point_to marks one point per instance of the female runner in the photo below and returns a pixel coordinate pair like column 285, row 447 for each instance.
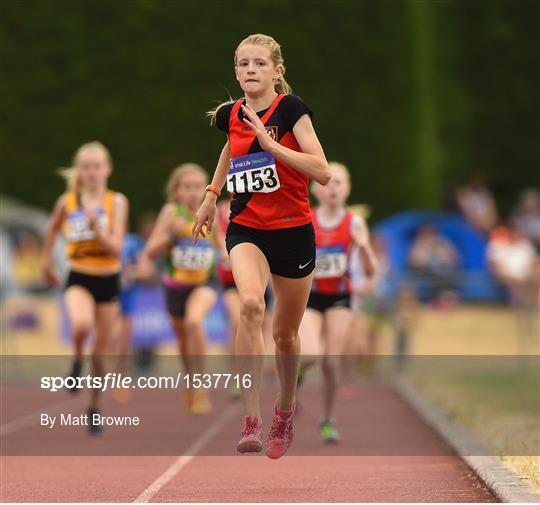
column 339, row 233
column 272, row 152
column 188, row 295
column 93, row 220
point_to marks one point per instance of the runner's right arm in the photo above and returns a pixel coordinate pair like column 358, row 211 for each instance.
column 162, row 235
column 55, row 223
column 207, row 212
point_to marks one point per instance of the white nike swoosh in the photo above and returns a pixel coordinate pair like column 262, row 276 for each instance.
column 304, row 266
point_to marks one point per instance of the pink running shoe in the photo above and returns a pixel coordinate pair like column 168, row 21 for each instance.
column 281, row 433
column 251, row 436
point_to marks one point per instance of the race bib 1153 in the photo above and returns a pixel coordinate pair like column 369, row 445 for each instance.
column 253, row 173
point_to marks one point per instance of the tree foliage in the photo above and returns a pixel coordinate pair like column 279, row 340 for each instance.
column 140, row 74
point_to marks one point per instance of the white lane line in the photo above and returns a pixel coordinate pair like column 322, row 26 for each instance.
column 33, row 419
column 177, row 466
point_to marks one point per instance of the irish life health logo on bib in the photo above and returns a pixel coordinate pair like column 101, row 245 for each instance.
column 253, row 173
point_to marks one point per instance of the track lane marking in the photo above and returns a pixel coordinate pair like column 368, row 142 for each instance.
column 176, row 467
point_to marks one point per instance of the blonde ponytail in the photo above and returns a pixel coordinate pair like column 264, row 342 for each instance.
column 282, row 86
column 212, row 114
column 72, row 178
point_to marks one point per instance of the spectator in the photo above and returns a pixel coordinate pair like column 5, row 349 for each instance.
column 434, row 260
column 7, row 280
column 512, row 259
column 527, row 216
column 27, row 264
column 477, row 205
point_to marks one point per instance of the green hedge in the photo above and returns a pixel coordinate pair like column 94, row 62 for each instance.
column 413, row 96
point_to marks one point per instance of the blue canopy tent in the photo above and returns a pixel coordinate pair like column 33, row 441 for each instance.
column 475, row 280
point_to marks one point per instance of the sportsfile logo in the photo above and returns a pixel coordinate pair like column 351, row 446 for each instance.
column 113, row 380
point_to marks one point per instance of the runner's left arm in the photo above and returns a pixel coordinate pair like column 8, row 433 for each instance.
column 360, row 236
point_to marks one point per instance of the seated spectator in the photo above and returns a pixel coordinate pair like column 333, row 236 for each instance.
column 477, row 205
column 434, row 260
column 511, row 257
column 527, row 216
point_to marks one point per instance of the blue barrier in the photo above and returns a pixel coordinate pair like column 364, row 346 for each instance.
column 475, row 281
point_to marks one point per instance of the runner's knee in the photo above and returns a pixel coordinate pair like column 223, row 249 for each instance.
column 252, row 308
column 285, row 340
column 330, row 363
column 81, row 328
column 193, row 326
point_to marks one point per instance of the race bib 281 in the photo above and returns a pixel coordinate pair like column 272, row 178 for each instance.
column 331, row 262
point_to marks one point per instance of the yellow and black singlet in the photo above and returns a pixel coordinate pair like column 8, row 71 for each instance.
column 84, row 251
column 189, row 264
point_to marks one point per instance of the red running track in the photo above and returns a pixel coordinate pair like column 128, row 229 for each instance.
column 388, row 454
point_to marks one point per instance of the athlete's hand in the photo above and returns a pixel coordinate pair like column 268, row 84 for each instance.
column 92, row 219
column 204, row 217
column 146, row 269
column 255, row 123
column 365, row 289
column 130, row 273
column 50, row 275
column 360, row 233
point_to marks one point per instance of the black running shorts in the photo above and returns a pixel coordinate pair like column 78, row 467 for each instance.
column 322, row 302
column 103, row 288
column 290, row 252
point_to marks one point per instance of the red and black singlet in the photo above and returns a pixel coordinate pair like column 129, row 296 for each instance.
column 334, row 246
column 268, row 193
